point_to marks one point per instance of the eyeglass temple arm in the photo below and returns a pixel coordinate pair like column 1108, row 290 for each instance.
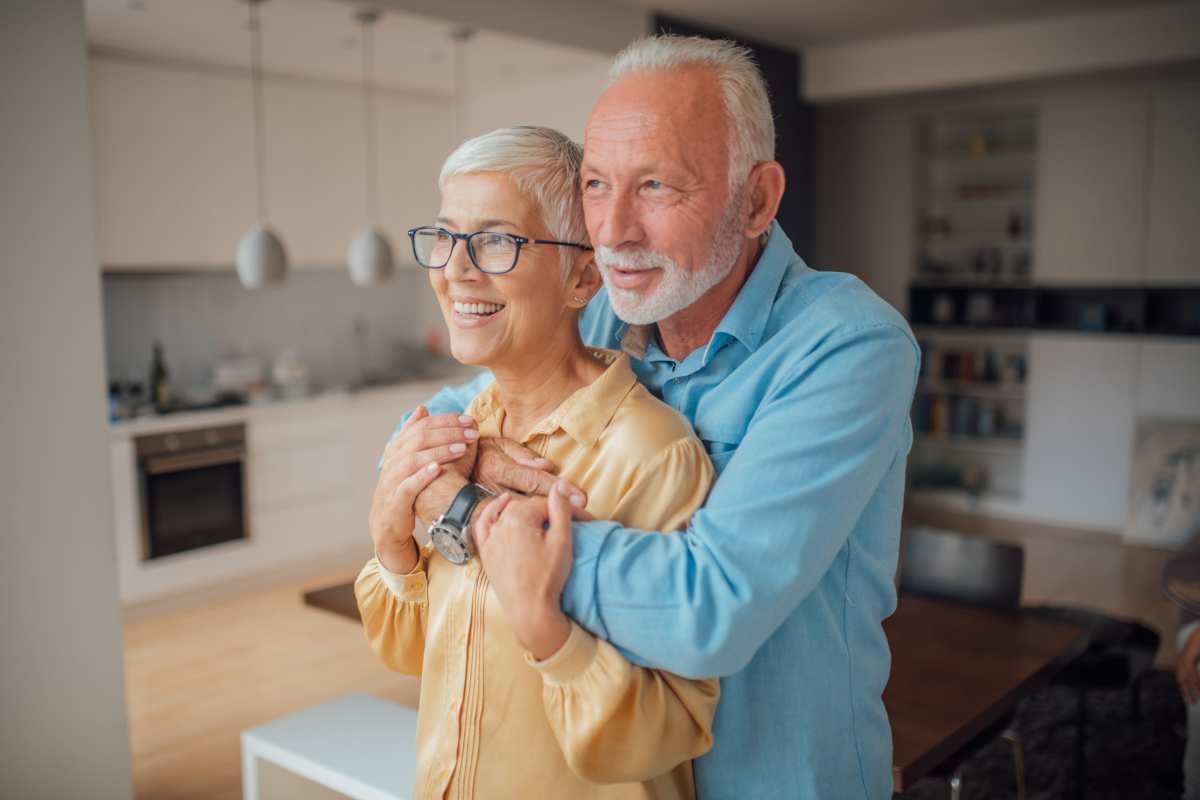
column 564, row 244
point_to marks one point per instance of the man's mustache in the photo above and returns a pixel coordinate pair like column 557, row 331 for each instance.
column 631, row 260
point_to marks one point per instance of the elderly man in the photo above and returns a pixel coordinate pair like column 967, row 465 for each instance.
column 798, row 383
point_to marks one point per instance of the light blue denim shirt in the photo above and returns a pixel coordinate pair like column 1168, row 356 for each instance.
column 781, row 582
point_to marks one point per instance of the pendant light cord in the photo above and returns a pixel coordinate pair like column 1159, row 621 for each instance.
column 260, row 141
column 460, row 36
column 369, row 144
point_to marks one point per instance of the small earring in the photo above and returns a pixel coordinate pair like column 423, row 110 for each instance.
column 576, row 300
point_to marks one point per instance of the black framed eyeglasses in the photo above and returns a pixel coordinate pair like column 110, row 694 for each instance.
column 491, row 252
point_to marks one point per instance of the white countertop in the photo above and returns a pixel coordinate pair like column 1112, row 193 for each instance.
column 331, row 401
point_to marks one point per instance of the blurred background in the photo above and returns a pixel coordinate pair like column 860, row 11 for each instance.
column 212, row 321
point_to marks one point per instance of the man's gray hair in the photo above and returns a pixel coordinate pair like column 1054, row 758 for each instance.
column 543, row 163
column 751, row 126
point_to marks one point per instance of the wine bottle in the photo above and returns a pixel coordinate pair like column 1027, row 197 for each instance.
column 160, row 387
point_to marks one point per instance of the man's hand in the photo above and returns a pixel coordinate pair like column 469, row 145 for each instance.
column 506, row 466
column 525, row 547
column 1185, row 669
column 412, row 460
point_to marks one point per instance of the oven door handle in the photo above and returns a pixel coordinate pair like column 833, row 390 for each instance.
column 197, row 459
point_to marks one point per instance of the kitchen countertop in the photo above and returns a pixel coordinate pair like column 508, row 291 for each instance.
column 330, row 401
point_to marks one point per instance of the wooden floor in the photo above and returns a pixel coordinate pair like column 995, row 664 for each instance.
column 196, row 677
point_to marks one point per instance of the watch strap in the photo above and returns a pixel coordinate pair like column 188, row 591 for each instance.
column 463, row 504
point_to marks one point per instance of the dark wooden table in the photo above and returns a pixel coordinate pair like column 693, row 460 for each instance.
column 956, row 670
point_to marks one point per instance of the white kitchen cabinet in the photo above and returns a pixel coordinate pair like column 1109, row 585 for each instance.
column 315, row 171
column 175, row 171
column 1080, row 412
column 296, row 461
column 1168, row 384
column 174, row 165
column 373, row 417
column 1173, row 235
column 1091, row 188
column 415, row 137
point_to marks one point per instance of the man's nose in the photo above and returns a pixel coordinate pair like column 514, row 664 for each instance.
column 620, row 222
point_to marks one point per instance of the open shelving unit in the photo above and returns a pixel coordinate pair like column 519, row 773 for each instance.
column 975, row 194
column 975, row 204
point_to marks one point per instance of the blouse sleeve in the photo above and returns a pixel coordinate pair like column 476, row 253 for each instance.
column 614, row 721
column 393, row 609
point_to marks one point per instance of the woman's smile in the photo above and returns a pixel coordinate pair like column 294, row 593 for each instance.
column 469, row 313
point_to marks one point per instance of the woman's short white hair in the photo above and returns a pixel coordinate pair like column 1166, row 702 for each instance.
column 543, row 163
column 751, row 125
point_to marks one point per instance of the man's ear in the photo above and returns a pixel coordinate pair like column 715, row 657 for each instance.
column 584, row 280
column 764, row 191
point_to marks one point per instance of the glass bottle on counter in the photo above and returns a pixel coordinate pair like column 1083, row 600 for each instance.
column 159, row 384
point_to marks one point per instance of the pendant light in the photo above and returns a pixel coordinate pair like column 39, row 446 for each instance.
column 261, row 258
column 370, row 258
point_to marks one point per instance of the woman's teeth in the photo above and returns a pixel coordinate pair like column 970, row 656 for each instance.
column 478, row 309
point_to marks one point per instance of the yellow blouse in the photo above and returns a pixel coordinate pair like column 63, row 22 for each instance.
column 584, row 723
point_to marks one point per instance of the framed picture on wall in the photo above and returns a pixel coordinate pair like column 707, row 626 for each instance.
column 1164, row 499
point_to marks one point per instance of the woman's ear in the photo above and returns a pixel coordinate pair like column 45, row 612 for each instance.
column 584, row 280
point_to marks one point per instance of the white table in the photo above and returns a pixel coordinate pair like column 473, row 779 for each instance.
column 358, row 745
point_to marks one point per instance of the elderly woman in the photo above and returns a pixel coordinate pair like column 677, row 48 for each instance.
column 499, row 716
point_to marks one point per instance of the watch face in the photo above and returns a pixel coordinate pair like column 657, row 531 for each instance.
column 449, row 542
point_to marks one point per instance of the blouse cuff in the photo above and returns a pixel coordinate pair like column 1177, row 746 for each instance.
column 572, row 659
column 407, row 587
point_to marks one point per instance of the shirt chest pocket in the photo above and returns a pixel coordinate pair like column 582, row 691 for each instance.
column 720, row 443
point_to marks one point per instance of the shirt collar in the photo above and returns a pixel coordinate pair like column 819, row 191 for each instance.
column 585, row 414
column 746, row 319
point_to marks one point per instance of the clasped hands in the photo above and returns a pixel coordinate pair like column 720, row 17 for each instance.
column 522, row 536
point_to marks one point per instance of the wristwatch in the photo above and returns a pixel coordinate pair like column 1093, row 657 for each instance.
column 449, row 532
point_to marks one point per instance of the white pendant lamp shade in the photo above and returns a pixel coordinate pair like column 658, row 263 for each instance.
column 261, row 258
column 370, row 258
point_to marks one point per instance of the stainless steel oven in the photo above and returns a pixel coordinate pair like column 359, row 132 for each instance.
column 193, row 489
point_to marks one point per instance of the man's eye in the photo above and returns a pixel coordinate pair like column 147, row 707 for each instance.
column 654, row 185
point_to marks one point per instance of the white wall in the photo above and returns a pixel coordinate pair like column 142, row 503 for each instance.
column 562, row 102
column 1028, row 49
column 598, row 25
column 64, row 731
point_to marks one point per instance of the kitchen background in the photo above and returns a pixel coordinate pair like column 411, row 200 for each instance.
column 1021, row 179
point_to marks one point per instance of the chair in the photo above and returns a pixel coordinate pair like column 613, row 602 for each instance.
column 972, row 570
column 1119, row 655
column 359, row 745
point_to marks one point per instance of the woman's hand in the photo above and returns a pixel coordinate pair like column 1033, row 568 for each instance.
column 1185, row 669
column 410, row 463
column 528, row 562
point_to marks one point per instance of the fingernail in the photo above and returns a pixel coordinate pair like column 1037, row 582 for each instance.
column 458, row 447
column 577, row 500
column 466, row 419
column 432, row 467
column 471, row 433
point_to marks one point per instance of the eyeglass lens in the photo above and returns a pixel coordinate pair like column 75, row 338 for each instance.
column 491, row 252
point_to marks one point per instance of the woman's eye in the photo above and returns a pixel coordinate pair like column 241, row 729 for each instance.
column 654, row 185
column 592, row 184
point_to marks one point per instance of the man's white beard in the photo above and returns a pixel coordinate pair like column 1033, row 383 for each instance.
column 677, row 288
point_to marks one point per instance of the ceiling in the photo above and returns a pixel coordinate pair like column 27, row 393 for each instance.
column 800, row 23
column 321, row 39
